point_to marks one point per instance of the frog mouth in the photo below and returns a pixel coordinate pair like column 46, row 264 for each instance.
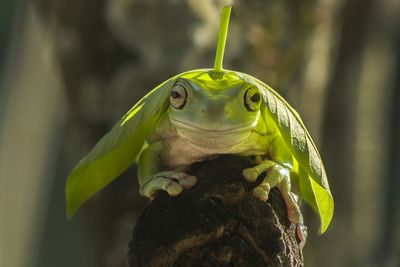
column 193, row 128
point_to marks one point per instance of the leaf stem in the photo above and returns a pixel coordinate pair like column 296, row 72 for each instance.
column 223, row 31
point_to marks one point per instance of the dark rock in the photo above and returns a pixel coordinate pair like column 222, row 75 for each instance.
column 216, row 223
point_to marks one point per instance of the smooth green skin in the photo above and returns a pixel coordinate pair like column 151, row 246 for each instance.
column 284, row 139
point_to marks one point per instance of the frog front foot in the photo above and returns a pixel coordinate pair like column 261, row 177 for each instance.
column 172, row 182
column 277, row 176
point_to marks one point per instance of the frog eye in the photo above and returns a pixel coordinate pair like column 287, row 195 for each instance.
column 252, row 99
column 178, row 96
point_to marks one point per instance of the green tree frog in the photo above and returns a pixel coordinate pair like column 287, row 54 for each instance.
column 200, row 114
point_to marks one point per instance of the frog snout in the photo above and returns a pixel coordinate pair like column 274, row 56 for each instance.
column 213, row 112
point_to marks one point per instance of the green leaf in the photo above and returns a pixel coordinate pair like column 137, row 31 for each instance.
column 293, row 131
column 117, row 150
column 319, row 199
column 313, row 181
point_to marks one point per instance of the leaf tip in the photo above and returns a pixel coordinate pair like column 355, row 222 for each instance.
column 70, row 213
column 327, row 215
column 69, row 197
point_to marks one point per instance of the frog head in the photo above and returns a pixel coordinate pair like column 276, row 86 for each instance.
column 213, row 109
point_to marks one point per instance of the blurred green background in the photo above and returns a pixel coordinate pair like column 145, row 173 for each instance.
column 70, row 69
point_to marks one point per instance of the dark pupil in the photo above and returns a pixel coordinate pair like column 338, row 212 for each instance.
column 255, row 98
column 175, row 94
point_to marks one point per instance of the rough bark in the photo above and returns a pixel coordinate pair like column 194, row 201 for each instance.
column 216, row 223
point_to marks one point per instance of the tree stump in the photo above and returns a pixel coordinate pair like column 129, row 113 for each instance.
column 216, row 223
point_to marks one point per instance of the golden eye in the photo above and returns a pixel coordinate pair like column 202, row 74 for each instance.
column 178, row 96
column 252, row 99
